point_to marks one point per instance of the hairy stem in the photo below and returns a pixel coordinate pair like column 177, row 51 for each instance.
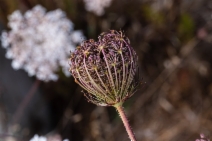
column 123, row 116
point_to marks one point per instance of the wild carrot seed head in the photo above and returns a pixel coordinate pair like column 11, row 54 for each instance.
column 106, row 69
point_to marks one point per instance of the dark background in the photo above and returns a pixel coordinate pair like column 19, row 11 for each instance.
column 173, row 39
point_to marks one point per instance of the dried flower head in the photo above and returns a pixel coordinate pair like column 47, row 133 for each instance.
column 107, row 69
column 39, row 42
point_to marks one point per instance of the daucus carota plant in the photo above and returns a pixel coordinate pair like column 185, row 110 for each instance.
column 39, row 41
column 107, row 69
column 43, row 138
column 97, row 6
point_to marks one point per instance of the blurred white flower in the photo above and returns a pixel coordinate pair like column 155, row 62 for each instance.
column 40, row 42
column 97, row 6
column 42, row 138
column 37, row 138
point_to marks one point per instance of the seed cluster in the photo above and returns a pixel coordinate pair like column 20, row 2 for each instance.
column 107, row 69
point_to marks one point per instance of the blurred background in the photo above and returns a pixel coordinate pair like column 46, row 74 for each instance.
column 173, row 39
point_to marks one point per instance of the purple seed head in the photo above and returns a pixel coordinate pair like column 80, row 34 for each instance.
column 107, row 69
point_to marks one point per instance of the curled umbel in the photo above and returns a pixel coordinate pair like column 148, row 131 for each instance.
column 107, row 69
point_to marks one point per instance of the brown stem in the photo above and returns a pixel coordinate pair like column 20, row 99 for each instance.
column 123, row 116
column 24, row 103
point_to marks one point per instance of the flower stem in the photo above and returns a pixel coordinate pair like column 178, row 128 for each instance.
column 123, row 116
column 25, row 101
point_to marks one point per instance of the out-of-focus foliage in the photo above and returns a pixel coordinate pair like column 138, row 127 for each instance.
column 186, row 27
column 155, row 17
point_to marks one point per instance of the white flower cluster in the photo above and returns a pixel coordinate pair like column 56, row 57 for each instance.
column 37, row 138
column 42, row 138
column 97, row 6
column 40, row 42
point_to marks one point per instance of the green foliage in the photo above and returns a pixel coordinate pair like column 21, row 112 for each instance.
column 185, row 27
column 6, row 8
column 154, row 17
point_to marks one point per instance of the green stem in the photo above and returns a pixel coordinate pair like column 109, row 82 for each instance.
column 123, row 116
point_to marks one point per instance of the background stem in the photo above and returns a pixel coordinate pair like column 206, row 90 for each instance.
column 123, row 116
column 25, row 102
